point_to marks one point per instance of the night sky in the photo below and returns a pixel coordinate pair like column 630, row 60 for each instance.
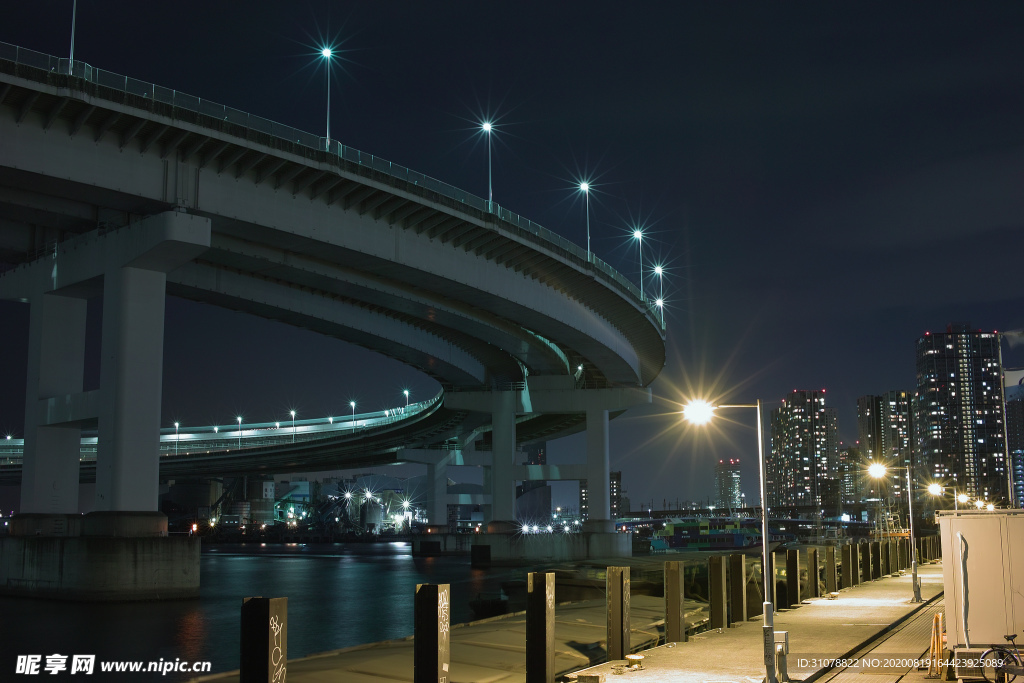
column 824, row 182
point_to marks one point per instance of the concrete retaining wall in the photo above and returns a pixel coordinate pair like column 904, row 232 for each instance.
column 100, row 569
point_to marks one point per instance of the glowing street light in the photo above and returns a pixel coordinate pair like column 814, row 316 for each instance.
column 700, row 412
column 239, row 418
column 406, row 392
column 962, row 497
column 659, row 271
column 293, row 426
column 353, row 404
column 638, row 235
column 585, row 189
column 176, row 425
column 877, row 470
column 487, row 128
column 979, row 504
column 326, row 53
column 990, row 507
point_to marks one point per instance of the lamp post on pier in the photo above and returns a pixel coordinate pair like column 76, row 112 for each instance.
column 701, row 412
column 878, row 471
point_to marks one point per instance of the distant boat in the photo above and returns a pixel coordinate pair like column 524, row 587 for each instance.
column 714, row 534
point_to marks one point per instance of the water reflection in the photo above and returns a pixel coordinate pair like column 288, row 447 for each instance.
column 338, row 595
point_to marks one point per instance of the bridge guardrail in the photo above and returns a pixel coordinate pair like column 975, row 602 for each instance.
column 12, row 450
column 155, row 93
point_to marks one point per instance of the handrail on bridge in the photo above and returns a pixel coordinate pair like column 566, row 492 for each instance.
column 256, row 434
column 156, row 93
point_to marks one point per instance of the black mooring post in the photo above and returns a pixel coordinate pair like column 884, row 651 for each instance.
column 264, row 643
column 848, row 565
column 540, row 627
column 737, row 589
column 876, row 560
column 813, row 584
column 793, row 577
column 617, row 590
column 865, row 562
column 675, row 620
column 831, row 579
column 432, row 624
column 717, row 587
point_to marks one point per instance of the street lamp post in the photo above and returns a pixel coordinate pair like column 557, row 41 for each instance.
column 239, row 418
column 487, row 127
column 326, row 53
column 659, row 271
column 176, row 425
column 74, row 12
column 406, row 392
column 638, row 235
column 293, row 426
column 353, row 404
column 585, row 188
column 878, row 470
column 701, row 412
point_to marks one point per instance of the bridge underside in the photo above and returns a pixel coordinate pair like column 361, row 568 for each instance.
column 128, row 195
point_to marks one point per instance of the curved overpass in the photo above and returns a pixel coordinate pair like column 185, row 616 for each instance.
column 306, row 231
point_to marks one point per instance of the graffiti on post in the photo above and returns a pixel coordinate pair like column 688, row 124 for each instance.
column 277, row 656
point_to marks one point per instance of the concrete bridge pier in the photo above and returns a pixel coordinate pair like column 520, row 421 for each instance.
column 551, row 395
column 120, row 551
column 503, row 447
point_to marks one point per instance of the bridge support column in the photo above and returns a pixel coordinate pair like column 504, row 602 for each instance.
column 503, row 446
column 120, row 551
column 56, row 364
column 131, row 375
column 437, row 493
column 598, row 473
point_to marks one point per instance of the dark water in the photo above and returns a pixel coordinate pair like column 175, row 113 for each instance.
column 338, row 595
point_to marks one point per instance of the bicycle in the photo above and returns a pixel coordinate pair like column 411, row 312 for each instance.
column 1000, row 664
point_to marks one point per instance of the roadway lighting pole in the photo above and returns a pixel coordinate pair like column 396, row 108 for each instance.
column 701, row 415
column 406, row 392
column 640, row 253
column 74, row 12
column 293, row 426
column 658, row 270
column 239, row 432
column 353, row 404
column 326, row 52
column 175, row 438
column 586, row 191
column 490, row 187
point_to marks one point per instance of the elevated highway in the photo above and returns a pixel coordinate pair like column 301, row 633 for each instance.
column 118, row 188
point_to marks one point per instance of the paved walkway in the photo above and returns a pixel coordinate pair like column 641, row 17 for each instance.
column 819, row 630
column 493, row 651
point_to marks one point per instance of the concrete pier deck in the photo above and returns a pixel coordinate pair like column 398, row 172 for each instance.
column 493, row 651
column 488, row 651
column 819, row 630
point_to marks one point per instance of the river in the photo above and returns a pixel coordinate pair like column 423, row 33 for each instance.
column 339, row 595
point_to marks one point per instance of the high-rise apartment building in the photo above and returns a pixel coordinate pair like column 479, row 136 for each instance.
column 851, row 472
column 959, row 410
column 884, row 427
column 804, row 450
column 614, row 496
column 727, row 484
column 1015, row 430
column 615, row 493
column 869, row 426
